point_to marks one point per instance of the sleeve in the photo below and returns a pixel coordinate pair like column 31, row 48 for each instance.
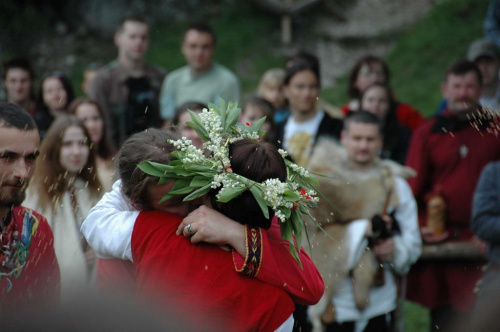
column 109, row 225
column 99, row 92
column 408, row 244
column 486, row 205
column 418, row 159
column 279, row 268
column 167, row 99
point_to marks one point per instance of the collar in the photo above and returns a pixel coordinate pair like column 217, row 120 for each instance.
column 449, row 122
column 123, row 73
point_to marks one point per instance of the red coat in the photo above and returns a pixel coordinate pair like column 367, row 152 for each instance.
column 448, row 154
column 406, row 114
column 39, row 282
column 200, row 280
column 278, row 268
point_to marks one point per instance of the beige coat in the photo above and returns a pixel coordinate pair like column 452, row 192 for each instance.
column 75, row 275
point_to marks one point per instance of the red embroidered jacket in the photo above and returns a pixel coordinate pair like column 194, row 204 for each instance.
column 38, row 283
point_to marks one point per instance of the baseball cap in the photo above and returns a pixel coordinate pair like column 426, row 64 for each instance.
column 482, row 47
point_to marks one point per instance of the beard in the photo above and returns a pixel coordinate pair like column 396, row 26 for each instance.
column 14, row 198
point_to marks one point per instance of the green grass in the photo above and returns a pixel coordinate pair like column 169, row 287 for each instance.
column 422, row 53
column 416, row 318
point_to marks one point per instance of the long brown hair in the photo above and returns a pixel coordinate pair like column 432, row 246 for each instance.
column 50, row 179
column 104, row 148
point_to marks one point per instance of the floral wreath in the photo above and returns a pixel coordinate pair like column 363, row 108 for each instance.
column 196, row 173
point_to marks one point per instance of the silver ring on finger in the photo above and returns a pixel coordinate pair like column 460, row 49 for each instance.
column 189, row 229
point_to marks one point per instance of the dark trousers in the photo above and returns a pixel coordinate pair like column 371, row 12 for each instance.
column 382, row 323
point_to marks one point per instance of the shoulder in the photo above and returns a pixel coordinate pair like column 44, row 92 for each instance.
column 426, row 128
column 40, row 223
column 224, row 72
column 177, row 74
column 156, row 71
column 491, row 169
column 330, row 126
column 107, row 72
column 154, row 221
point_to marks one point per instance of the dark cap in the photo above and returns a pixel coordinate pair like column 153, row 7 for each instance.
column 482, row 47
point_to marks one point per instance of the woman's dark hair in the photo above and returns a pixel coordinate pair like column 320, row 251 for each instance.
column 190, row 105
column 257, row 161
column 368, row 60
column 301, row 66
column 40, row 105
column 104, row 148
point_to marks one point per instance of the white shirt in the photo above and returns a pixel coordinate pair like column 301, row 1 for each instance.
column 109, row 225
column 407, row 249
column 299, row 137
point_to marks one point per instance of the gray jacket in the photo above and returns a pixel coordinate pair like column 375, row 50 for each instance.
column 486, row 210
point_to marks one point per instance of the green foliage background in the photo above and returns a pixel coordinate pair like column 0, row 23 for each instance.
column 422, row 54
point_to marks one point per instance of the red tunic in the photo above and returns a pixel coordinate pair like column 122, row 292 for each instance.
column 406, row 114
column 278, row 268
column 449, row 155
column 200, row 280
column 39, row 281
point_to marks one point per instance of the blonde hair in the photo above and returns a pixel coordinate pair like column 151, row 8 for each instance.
column 273, row 76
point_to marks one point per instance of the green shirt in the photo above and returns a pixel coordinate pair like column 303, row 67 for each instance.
column 180, row 87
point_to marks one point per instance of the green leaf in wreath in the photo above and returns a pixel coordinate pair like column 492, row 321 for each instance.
column 181, row 187
column 200, row 181
column 257, row 194
column 228, row 194
column 150, row 168
column 198, row 193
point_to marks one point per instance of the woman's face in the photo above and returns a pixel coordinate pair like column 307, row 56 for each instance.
column 251, row 114
column 74, row 150
column 369, row 74
column 189, row 132
column 302, row 92
column 375, row 100
column 273, row 93
column 92, row 120
column 54, row 95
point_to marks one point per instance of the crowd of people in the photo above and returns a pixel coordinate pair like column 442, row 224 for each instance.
column 408, row 205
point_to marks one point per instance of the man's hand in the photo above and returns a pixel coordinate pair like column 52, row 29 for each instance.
column 384, row 249
column 429, row 237
column 210, row 226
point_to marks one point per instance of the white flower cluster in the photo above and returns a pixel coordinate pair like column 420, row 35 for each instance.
column 300, row 170
column 193, row 154
column 273, row 190
column 216, row 143
column 283, row 153
column 226, row 182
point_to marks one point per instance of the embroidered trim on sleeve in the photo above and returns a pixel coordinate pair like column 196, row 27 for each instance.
column 253, row 258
